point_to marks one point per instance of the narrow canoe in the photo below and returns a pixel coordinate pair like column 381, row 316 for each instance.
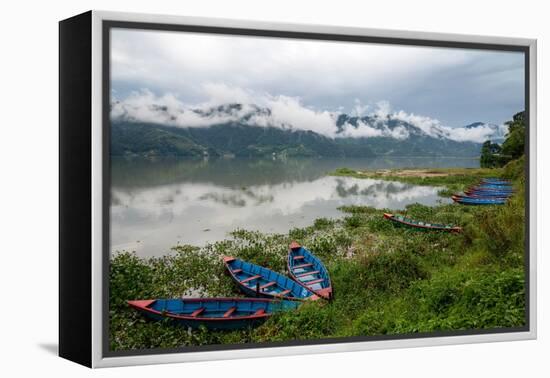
column 488, row 193
column 257, row 281
column 495, row 181
column 494, row 187
column 483, row 195
column 213, row 313
column 479, row 201
column 401, row 220
column 306, row 269
column 490, row 190
column 477, row 195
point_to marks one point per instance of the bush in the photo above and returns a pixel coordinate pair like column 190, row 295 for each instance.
column 322, row 223
column 515, row 170
column 311, row 321
column 354, row 221
column 391, row 271
column 452, row 300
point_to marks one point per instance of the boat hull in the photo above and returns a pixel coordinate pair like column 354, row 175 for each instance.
column 402, row 221
column 308, row 271
column 478, row 201
column 487, row 194
column 256, row 281
column 212, row 313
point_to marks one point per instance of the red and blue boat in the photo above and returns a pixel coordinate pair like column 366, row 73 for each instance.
column 494, row 187
column 489, row 192
column 470, row 193
column 308, row 271
column 495, row 181
column 502, row 186
column 481, row 195
column 409, row 222
column 257, row 281
column 478, row 200
column 213, row 313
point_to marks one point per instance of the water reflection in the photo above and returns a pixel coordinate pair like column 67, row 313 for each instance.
column 196, row 203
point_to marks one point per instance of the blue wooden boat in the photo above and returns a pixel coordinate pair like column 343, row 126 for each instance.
column 401, row 220
column 306, row 269
column 488, row 193
column 494, row 193
column 478, row 201
column 257, row 281
column 483, row 195
column 495, row 181
column 486, row 189
column 494, row 187
column 213, row 313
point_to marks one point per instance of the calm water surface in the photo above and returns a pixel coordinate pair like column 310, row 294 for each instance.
column 158, row 204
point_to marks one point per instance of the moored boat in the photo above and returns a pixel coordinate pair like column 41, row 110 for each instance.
column 213, row 313
column 478, row 201
column 494, row 186
column 495, row 181
column 481, row 195
column 468, row 193
column 308, row 270
column 401, row 220
column 257, row 281
column 489, row 192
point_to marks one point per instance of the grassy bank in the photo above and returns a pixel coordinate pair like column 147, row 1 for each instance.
column 454, row 179
column 386, row 280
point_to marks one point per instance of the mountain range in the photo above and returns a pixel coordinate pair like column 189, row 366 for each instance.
column 229, row 130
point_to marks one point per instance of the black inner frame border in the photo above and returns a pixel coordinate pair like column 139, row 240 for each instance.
column 108, row 25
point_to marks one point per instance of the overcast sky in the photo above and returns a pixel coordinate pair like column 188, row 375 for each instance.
column 454, row 86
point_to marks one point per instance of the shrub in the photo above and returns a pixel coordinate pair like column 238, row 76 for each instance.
column 452, row 300
column 391, row 271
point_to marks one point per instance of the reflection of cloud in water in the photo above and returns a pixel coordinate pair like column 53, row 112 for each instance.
column 237, row 198
column 188, row 209
column 284, row 198
column 230, row 200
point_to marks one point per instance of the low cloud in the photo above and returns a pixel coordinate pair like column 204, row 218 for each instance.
column 226, row 104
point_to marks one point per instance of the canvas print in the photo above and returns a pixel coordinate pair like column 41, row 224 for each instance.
column 277, row 190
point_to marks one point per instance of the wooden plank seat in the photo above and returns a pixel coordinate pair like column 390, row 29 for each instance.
column 305, row 274
column 284, row 292
column 236, row 271
column 302, row 266
column 267, row 285
column 197, row 312
column 230, row 311
column 260, row 311
column 299, row 257
column 309, row 283
column 251, row 278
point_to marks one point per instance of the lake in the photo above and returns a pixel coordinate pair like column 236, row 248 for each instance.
column 157, row 204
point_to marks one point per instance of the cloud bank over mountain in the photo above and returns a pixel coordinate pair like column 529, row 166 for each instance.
column 227, row 104
column 455, row 86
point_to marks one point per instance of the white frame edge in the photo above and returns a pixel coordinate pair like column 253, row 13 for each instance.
column 97, row 271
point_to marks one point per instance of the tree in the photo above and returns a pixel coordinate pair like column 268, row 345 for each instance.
column 493, row 155
column 490, row 155
column 514, row 145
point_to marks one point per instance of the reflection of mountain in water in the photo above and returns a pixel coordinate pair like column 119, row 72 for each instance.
column 375, row 189
column 238, row 173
